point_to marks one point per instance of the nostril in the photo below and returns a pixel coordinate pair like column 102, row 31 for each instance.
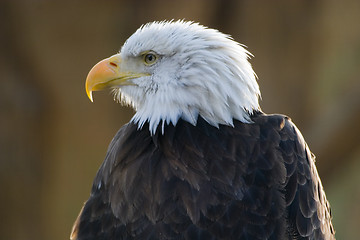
column 113, row 64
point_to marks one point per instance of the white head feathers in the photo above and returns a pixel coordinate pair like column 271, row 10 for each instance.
column 199, row 71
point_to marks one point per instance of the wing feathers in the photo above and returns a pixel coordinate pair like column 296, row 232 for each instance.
column 250, row 181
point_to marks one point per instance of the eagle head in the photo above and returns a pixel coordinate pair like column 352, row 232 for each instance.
column 170, row 70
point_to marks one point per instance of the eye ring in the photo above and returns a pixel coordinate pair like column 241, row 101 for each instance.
column 150, row 58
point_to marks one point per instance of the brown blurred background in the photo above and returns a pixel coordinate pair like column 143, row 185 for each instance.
column 53, row 139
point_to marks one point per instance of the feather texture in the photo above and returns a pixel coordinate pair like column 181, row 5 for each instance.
column 250, row 181
column 200, row 71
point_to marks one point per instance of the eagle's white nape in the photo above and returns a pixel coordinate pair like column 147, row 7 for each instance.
column 200, row 71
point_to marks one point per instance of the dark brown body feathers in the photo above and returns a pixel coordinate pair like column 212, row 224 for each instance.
column 250, row 181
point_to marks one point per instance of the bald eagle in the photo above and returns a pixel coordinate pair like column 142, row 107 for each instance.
column 199, row 159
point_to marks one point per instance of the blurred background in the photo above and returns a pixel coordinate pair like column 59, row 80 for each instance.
column 53, row 139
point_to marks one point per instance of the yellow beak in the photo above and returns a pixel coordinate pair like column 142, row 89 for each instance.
column 106, row 74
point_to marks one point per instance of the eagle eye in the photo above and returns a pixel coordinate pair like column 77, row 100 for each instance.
column 150, row 58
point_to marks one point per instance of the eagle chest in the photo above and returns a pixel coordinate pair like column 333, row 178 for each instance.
column 196, row 175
